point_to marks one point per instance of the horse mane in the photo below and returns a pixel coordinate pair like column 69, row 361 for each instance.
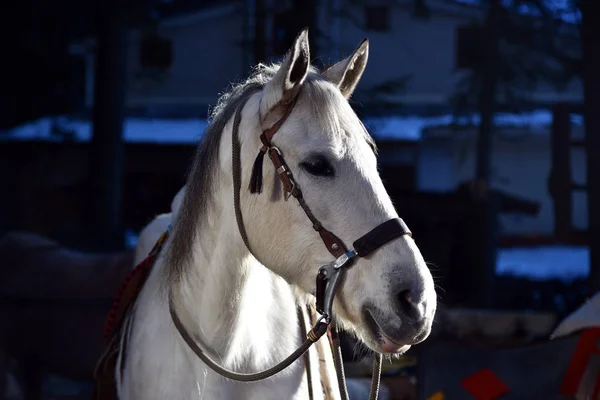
column 200, row 178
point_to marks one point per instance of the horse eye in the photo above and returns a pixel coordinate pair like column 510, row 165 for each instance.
column 318, row 166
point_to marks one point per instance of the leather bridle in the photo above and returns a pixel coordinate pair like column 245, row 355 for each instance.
column 328, row 277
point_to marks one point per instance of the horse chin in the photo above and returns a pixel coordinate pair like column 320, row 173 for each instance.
column 389, row 347
column 376, row 339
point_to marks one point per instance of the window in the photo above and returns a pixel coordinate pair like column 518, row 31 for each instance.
column 468, row 41
column 377, row 18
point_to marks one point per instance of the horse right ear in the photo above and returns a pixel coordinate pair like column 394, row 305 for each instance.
column 287, row 82
column 346, row 74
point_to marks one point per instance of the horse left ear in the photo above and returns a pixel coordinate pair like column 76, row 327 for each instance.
column 346, row 74
column 287, row 82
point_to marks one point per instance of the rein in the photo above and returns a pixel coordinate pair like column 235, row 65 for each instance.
column 328, row 277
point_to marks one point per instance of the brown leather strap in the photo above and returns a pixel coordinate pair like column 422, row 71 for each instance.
column 333, row 244
column 382, row 234
column 285, row 175
column 255, row 185
column 270, row 132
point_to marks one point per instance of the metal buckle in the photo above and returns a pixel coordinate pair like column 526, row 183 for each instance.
column 332, row 273
column 283, row 168
column 323, row 319
column 343, row 259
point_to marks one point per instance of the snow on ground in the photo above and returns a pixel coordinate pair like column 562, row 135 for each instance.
column 139, row 130
column 189, row 130
column 545, row 262
column 405, row 127
column 412, row 127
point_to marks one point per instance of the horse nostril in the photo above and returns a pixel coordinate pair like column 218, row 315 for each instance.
column 409, row 304
column 405, row 302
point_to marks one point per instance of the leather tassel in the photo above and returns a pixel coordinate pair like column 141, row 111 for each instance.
column 257, row 174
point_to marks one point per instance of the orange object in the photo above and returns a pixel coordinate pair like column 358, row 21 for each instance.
column 436, row 396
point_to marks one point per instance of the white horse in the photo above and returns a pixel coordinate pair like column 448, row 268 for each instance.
column 242, row 310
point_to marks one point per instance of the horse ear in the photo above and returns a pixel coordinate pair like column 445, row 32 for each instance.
column 286, row 83
column 346, row 73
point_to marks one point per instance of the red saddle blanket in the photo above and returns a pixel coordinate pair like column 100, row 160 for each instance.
column 104, row 374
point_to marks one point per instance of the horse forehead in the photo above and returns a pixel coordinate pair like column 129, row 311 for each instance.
column 303, row 132
column 315, row 138
column 312, row 131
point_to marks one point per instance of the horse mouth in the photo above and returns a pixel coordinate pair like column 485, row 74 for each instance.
column 385, row 342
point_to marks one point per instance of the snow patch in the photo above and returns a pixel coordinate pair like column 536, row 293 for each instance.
column 135, row 130
column 566, row 263
column 190, row 130
column 407, row 128
column 412, row 127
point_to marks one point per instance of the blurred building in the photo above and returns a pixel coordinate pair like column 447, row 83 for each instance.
column 178, row 66
column 189, row 57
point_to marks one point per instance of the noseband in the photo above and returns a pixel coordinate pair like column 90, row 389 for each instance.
column 328, row 277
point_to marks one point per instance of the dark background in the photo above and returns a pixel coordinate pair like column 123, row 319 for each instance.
column 102, row 189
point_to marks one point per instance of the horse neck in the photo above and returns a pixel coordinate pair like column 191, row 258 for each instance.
column 239, row 308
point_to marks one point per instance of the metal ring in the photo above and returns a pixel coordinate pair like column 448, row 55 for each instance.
column 324, row 317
